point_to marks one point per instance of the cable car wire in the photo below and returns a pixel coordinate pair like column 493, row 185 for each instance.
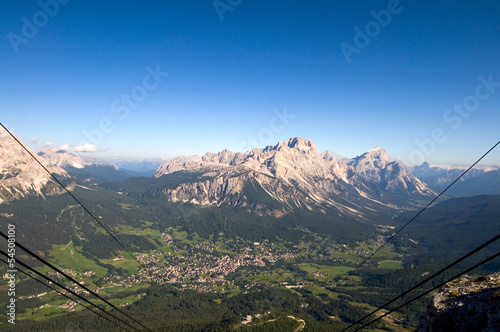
column 427, row 279
column 72, row 196
column 432, row 289
column 67, row 289
column 414, row 217
column 31, row 253
column 62, row 294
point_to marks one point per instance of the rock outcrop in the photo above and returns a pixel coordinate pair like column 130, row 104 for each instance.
column 21, row 175
column 465, row 305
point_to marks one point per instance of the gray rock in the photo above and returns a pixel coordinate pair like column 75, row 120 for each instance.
column 464, row 305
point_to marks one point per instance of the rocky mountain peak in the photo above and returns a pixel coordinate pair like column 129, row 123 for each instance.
column 62, row 158
column 305, row 146
column 272, row 160
column 293, row 173
column 374, row 156
column 425, row 165
column 329, row 157
column 20, row 174
column 370, row 163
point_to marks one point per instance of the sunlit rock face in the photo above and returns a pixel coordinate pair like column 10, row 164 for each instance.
column 294, row 174
column 21, row 175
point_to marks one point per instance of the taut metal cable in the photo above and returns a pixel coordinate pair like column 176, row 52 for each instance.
column 418, row 214
column 61, row 293
column 72, row 196
column 73, row 280
column 67, row 289
column 432, row 289
column 427, row 279
column 412, row 219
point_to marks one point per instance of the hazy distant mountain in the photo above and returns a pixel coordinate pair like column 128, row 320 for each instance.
column 21, row 175
column 292, row 174
column 83, row 170
column 62, row 158
column 439, row 177
column 477, row 181
column 136, row 166
column 487, row 183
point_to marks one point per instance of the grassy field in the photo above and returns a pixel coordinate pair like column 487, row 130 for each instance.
column 332, row 271
column 183, row 238
column 385, row 252
column 390, row 264
column 127, row 263
column 67, row 257
column 315, row 290
column 125, row 301
column 223, row 250
column 117, row 289
column 346, row 256
column 266, row 278
column 49, row 310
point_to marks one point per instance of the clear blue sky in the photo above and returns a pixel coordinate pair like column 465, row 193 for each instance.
column 68, row 70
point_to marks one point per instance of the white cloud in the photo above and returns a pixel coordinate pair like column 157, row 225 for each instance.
column 65, row 147
column 48, row 144
column 86, row 148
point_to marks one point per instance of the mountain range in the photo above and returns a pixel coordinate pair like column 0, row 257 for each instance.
column 83, row 170
column 477, row 181
column 273, row 180
column 292, row 174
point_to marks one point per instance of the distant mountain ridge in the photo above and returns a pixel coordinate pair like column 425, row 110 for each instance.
column 477, row 181
column 82, row 169
column 293, row 174
column 487, row 183
column 271, row 180
column 62, row 158
column 135, row 166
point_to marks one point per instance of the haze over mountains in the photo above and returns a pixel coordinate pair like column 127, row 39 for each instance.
column 477, row 181
column 271, row 180
column 82, row 169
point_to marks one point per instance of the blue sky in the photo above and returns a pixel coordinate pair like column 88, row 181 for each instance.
column 164, row 78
